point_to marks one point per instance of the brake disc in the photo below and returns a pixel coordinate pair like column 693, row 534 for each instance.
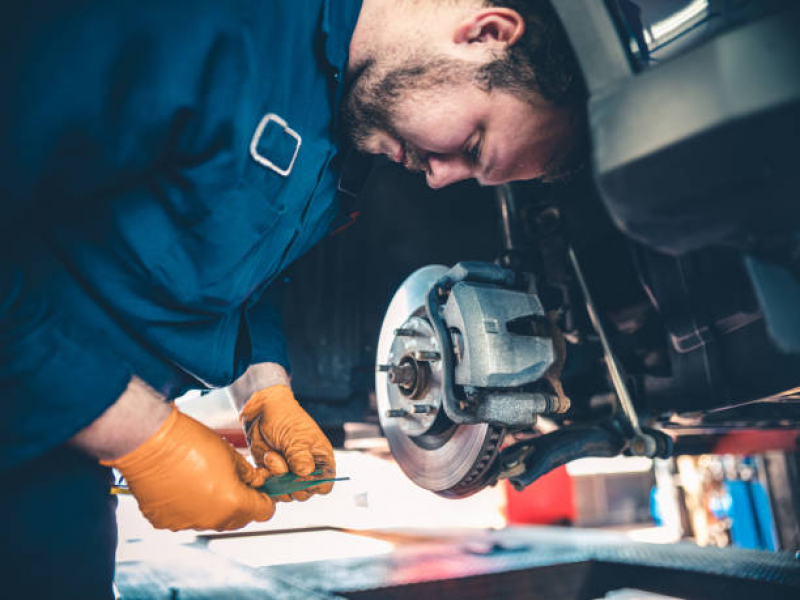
column 451, row 460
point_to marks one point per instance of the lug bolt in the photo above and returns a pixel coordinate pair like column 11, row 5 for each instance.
column 396, row 412
column 426, row 356
column 423, row 409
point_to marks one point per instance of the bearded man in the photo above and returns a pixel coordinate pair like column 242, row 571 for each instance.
column 163, row 163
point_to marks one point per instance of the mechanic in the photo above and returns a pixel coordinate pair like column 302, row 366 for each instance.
column 163, row 163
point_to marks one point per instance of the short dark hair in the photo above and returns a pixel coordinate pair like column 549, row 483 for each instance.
column 542, row 60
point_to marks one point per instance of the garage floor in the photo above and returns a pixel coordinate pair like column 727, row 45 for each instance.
column 528, row 562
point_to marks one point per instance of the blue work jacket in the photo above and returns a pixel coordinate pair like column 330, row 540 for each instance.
column 162, row 162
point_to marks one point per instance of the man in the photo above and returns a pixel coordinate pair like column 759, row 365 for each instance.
column 163, row 163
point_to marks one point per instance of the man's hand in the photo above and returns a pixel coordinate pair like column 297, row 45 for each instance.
column 187, row 477
column 281, row 435
column 183, row 475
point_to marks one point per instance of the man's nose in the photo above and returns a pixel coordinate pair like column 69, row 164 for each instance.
column 446, row 169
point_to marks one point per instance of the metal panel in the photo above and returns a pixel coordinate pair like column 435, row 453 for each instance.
column 741, row 73
column 594, row 39
column 701, row 149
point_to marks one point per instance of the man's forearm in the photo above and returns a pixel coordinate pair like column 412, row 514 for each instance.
column 125, row 425
column 257, row 377
column 140, row 411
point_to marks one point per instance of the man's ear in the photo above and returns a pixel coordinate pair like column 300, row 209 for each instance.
column 502, row 26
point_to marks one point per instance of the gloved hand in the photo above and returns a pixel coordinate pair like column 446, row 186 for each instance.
column 282, row 436
column 187, row 477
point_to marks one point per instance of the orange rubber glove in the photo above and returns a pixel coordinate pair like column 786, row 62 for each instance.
column 187, row 477
column 283, row 436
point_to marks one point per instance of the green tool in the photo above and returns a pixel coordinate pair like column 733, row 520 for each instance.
column 279, row 485
column 290, row 483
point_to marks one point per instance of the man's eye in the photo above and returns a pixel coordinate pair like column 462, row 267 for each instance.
column 474, row 151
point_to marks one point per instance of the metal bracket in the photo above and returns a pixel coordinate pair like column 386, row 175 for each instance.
column 524, row 462
column 641, row 443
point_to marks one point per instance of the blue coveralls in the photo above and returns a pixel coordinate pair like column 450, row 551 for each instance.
column 162, row 163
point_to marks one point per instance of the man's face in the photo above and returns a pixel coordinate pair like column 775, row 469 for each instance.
column 452, row 130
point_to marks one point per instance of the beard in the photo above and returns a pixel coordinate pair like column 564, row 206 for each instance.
column 371, row 103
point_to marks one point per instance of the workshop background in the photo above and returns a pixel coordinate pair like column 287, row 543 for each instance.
column 685, row 224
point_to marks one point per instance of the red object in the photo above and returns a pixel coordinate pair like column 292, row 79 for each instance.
column 351, row 220
column 548, row 500
column 751, row 442
column 235, row 437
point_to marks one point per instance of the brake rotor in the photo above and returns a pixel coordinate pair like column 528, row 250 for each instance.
column 451, row 460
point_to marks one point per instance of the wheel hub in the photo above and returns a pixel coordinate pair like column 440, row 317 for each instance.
column 415, row 377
